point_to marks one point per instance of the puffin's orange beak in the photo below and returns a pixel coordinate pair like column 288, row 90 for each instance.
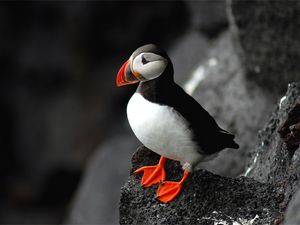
column 125, row 75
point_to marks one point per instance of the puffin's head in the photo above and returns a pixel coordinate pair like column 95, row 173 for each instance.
column 146, row 63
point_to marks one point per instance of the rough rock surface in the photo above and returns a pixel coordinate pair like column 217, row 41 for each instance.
column 268, row 35
column 260, row 197
column 273, row 155
column 276, row 159
column 206, row 198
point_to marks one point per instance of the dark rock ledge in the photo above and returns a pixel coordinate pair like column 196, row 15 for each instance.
column 205, row 198
column 260, row 197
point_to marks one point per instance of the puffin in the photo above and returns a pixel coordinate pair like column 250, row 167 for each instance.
column 167, row 120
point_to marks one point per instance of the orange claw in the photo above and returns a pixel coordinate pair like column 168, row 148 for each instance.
column 168, row 190
column 153, row 174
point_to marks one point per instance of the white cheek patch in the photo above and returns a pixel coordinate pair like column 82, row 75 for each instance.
column 153, row 68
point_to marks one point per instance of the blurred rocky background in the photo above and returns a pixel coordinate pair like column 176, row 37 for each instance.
column 66, row 144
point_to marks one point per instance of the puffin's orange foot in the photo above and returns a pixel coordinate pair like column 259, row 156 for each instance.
column 168, row 190
column 153, row 174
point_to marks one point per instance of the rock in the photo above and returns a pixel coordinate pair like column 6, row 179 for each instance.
column 268, row 34
column 96, row 200
column 206, row 198
column 290, row 130
column 208, row 17
column 292, row 215
column 189, row 50
column 274, row 161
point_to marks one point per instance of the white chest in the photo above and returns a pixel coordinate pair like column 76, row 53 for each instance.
column 161, row 129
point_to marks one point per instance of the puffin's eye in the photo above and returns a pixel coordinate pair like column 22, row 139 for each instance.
column 144, row 60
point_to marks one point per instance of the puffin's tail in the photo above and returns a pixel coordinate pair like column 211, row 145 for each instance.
column 233, row 144
column 227, row 141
